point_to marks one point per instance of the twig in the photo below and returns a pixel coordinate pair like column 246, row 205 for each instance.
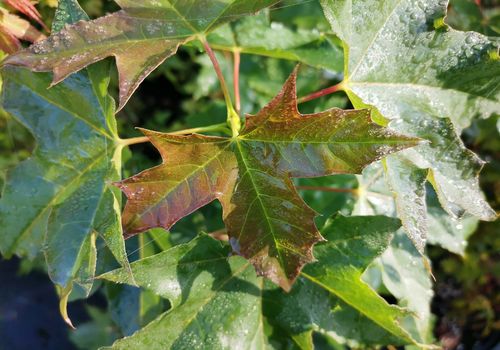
column 328, row 189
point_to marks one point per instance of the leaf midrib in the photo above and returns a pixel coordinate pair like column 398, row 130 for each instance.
column 339, row 295
column 264, row 210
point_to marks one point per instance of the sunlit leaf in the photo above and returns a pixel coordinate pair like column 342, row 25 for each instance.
column 250, row 175
column 140, row 37
column 454, row 78
column 219, row 303
column 330, row 297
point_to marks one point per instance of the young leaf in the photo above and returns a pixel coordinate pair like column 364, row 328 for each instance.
column 250, row 175
column 60, row 198
column 140, row 37
column 18, row 27
column 455, row 76
column 330, row 296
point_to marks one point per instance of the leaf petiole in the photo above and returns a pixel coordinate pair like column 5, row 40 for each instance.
column 233, row 118
column 321, row 93
column 236, row 79
column 222, row 127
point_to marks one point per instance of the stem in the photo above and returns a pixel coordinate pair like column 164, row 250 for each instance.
column 143, row 139
column 233, row 119
column 216, row 127
column 236, row 80
column 220, row 235
column 321, row 93
column 328, row 189
column 133, row 141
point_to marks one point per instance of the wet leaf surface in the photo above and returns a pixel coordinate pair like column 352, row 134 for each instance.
column 219, row 303
column 266, row 219
column 453, row 79
column 140, row 37
column 59, row 200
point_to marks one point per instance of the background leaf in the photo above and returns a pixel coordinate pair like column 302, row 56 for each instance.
column 455, row 79
column 56, row 199
column 140, row 37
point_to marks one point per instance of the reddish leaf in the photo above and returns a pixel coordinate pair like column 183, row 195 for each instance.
column 19, row 28
column 140, row 37
column 26, row 7
column 267, row 221
column 8, row 42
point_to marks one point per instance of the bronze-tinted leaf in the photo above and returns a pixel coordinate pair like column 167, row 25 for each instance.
column 267, row 221
column 140, row 37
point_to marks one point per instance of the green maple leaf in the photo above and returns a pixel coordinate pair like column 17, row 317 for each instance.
column 60, row 198
column 330, row 296
column 251, row 176
column 454, row 77
column 218, row 302
column 140, row 37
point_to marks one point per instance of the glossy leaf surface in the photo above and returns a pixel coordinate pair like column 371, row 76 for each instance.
column 140, row 37
column 60, row 198
column 250, row 175
column 376, row 197
column 221, row 302
column 455, row 77
column 330, row 296
column 216, row 300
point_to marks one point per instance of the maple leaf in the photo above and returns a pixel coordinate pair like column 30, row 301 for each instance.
column 250, row 175
column 455, row 78
column 60, row 199
column 140, row 36
column 219, row 303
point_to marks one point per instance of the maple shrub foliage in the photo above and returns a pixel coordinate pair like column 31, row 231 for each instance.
column 274, row 274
